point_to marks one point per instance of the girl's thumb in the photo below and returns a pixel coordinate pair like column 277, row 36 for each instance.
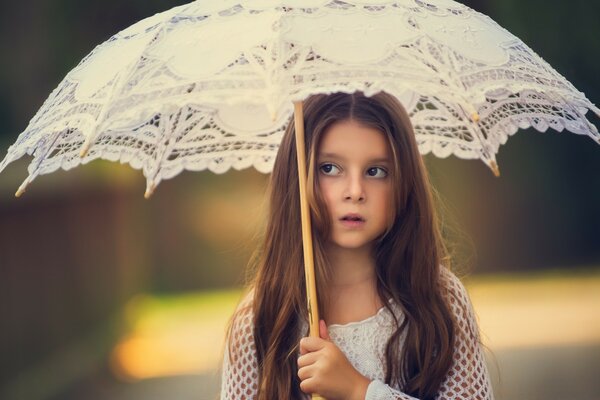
column 323, row 330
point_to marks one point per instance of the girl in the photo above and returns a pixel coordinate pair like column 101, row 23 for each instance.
column 397, row 324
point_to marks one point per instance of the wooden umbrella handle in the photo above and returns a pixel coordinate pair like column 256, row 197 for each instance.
column 309, row 267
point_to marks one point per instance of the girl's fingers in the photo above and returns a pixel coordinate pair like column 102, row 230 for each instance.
column 310, row 344
column 306, row 372
column 308, row 386
column 307, row 359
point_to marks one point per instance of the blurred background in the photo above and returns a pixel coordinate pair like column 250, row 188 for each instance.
column 105, row 295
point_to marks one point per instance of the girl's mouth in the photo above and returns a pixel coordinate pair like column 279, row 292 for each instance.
column 352, row 221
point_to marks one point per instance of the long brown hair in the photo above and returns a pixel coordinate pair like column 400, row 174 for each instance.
column 407, row 256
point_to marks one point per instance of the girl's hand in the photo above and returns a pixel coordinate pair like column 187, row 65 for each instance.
column 325, row 370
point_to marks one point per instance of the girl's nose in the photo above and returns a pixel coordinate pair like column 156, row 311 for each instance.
column 355, row 189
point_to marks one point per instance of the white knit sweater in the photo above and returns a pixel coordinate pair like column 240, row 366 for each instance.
column 363, row 343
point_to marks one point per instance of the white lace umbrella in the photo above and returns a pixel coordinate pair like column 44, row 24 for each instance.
column 211, row 84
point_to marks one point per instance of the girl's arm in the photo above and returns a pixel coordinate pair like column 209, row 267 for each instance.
column 468, row 377
column 239, row 379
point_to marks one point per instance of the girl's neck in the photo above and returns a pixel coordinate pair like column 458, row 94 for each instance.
column 351, row 267
column 352, row 292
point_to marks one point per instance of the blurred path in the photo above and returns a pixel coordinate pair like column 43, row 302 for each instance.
column 543, row 333
column 186, row 387
column 547, row 373
column 567, row 373
column 537, row 310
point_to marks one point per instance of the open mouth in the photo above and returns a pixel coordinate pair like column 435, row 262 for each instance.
column 352, row 218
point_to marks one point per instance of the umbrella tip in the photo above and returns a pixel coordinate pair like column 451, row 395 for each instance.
column 149, row 190
column 21, row 189
column 495, row 168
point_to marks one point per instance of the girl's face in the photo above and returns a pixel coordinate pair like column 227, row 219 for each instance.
column 354, row 162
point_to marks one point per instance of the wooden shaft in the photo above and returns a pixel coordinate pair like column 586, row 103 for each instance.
column 309, row 265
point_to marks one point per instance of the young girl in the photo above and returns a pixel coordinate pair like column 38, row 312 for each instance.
column 396, row 323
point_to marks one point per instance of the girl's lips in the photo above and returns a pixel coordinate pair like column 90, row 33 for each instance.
column 353, row 221
column 352, row 224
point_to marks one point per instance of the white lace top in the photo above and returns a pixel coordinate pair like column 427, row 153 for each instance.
column 363, row 343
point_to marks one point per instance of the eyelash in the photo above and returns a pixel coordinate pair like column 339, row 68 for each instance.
column 333, row 165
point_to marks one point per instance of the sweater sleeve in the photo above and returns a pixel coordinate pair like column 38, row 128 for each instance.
column 239, row 379
column 468, row 377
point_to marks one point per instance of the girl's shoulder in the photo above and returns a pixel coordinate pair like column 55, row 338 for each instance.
column 459, row 301
column 452, row 286
column 242, row 318
column 240, row 339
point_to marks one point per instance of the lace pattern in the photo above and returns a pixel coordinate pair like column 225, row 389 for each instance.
column 364, row 343
column 210, row 85
column 240, row 367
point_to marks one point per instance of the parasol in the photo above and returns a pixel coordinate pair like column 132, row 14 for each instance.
column 211, row 85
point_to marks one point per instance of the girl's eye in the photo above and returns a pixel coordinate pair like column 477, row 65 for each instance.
column 328, row 169
column 377, row 172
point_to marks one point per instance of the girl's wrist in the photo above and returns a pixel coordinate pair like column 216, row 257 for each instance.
column 360, row 388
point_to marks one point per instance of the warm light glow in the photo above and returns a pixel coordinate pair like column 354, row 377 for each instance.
column 184, row 334
column 178, row 336
column 539, row 311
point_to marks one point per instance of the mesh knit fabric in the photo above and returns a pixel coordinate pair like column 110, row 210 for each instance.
column 363, row 343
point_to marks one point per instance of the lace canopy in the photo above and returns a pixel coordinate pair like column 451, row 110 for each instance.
column 210, row 85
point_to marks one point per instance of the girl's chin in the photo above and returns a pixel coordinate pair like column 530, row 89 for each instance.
column 349, row 245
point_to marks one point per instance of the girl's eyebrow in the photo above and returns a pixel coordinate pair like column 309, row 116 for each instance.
column 339, row 157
